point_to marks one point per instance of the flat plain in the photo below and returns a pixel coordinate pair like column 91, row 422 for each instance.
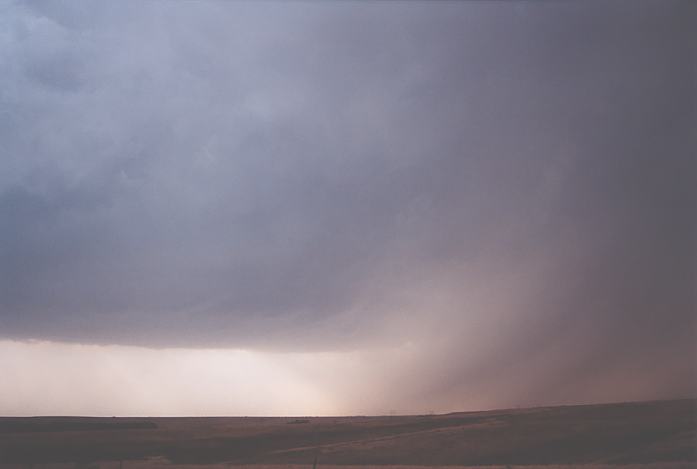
column 656, row 435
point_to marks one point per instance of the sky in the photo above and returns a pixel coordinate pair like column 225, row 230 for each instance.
column 276, row 208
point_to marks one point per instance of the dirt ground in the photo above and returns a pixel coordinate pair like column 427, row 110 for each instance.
column 145, row 465
column 151, row 464
column 655, row 435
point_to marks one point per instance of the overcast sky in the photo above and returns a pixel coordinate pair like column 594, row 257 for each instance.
column 456, row 203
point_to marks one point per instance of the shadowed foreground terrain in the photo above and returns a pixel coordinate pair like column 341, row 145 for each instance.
column 649, row 434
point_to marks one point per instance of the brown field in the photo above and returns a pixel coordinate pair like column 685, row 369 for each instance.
column 652, row 435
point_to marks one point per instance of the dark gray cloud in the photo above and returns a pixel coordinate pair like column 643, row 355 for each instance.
column 499, row 181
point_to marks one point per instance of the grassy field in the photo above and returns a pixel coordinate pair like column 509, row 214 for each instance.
column 649, row 435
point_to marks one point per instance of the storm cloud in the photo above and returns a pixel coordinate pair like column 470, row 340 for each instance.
column 507, row 189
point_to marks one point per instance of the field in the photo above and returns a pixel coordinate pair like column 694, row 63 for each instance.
column 653, row 435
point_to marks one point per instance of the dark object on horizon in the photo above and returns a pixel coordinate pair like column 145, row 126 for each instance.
column 297, row 421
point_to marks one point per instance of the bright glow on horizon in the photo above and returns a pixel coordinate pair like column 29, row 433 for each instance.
column 54, row 378
column 48, row 378
column 51, row 378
